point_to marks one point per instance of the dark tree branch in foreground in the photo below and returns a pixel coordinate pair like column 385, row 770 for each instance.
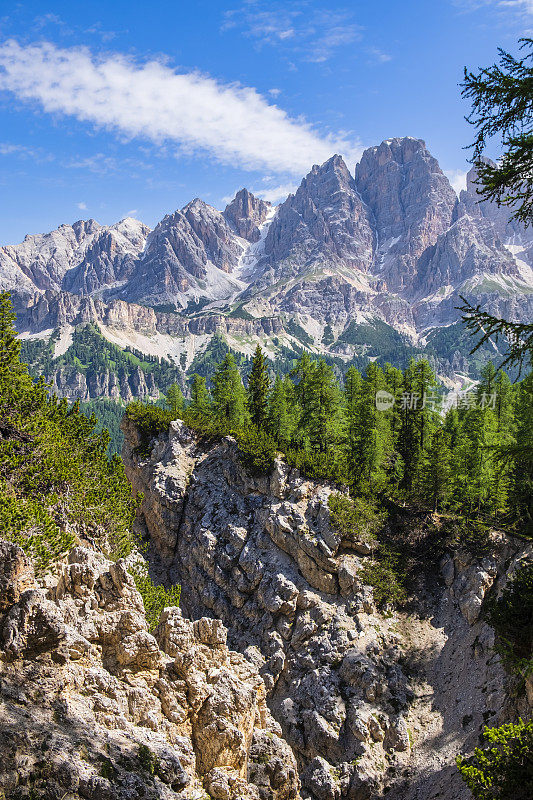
column 518, row 335
column 502, row 106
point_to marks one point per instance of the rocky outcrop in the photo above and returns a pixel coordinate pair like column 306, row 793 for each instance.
column 411, row 201
column 246, row 214
column 344, row 681
column 68, row 382
column 94, row 706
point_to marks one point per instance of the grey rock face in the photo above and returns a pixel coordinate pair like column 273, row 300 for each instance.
column 189, row 252
column 411, row 201
column 108, row 259
column 467, row 249
column 324, row 220
column 41, row 261
column 260, row 554
column 393, row 244
column 246, row 213
column 94, row 705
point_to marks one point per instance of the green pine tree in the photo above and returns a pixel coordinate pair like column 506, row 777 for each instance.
column 199, row 396
column 258, row 387
column 9, row 343
column 174, row 399
column 278, row 419
column 229, row 394
column 436, row 471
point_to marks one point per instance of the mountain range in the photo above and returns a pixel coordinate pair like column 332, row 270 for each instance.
column 347, row 260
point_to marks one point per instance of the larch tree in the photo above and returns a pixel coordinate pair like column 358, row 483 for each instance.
column 258, row 388
column 174, row 399
column 199, row 396
column 229, row 394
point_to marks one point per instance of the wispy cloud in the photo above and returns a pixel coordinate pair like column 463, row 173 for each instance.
column 276, row 194
column 522, row 8
column 378, row 55
column 22, row 151
column 457, row 178
column 314, row 33
column 82, row 206
column 231, row 123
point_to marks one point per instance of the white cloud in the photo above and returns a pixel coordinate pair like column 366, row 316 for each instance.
column 457, row 178
column 231, row 123
column 315, row 33
column 276, row 194
column 82, row 206
column 378, row 55
column 21, row 151
column 523, row 7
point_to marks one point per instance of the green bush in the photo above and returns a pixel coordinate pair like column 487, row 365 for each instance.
column 29, row 524
column 511, row 615
column 468, row 534
column 155, row 598
column 257, row 450
column 503, row 769
column 328, row 466
column 148, row 760
column 356, row 519
column 150, row 420
column 384, row 574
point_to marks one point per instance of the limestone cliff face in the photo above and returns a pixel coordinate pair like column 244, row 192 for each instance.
column 74, row 385
column 95, row 706
column 361, row 707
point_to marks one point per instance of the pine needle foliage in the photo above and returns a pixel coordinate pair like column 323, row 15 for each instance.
column 503, row 768
column 502, row 106
column 155, row 598
column 56, row 480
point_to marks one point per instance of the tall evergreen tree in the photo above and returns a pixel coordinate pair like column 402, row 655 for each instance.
column 229, row 394
column 486, row 386
column 321, row 407
column 521, row 458
column 9, row 343
column 503, row 404
column 409, row 435
column 368, row 431
column 352, row 385
column 174, row 399
column 278, row 421
column 436, row 470
column 258, row 386
column 199, row 395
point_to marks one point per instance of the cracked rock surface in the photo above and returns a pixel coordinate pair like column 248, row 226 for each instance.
column 95, row 706
column 260, row 554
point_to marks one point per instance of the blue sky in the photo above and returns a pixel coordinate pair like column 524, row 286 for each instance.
column 109, row 109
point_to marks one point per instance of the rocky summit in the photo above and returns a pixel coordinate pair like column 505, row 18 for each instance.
column 390, row 246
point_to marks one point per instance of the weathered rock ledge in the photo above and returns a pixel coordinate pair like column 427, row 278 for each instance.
column 95, row 706
column 342, row 680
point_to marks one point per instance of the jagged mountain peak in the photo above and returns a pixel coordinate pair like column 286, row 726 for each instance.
column 324, row 223
column 400, row 149
column 412, row 203
column 381, row 243
column 333, row 170
column 246, row 213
